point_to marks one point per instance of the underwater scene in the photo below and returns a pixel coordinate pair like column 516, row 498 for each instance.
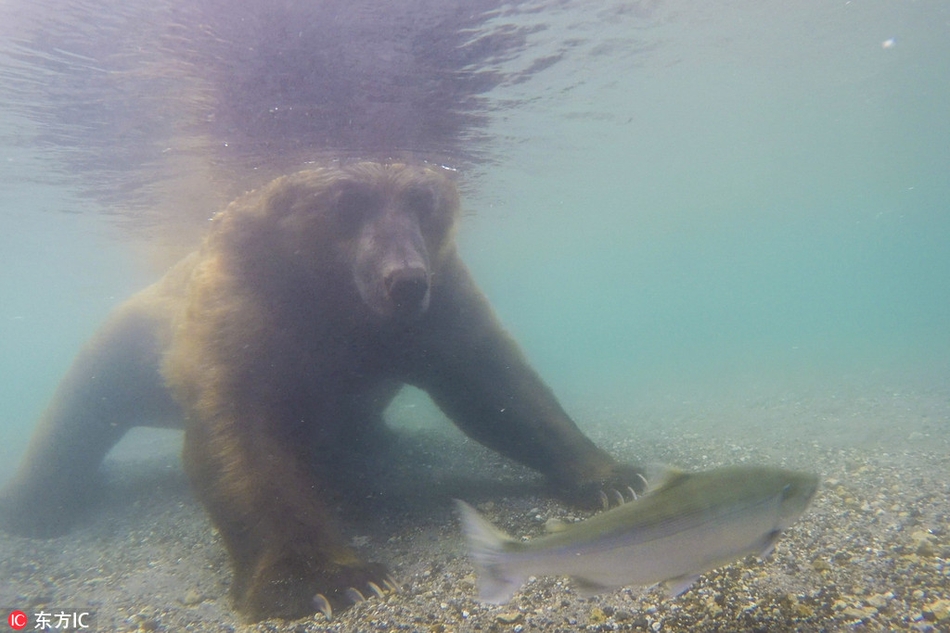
column 470, row 315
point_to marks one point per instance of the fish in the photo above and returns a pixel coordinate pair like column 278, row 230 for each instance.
column 689, row 524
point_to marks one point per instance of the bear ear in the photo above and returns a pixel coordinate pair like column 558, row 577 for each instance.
column 278, row 198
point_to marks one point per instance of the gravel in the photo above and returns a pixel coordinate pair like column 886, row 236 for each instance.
column 871, row 554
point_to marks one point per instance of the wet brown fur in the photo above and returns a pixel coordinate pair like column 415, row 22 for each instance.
column 278, row 360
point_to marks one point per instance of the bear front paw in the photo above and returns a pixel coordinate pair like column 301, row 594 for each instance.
column 352, row 585
column 620, row 484
column 281, row 591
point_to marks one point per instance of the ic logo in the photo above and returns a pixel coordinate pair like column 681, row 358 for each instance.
column 17, row 620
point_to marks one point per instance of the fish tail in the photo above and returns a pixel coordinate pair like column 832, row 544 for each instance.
column 489, row 548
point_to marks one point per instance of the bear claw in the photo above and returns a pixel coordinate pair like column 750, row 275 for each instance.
column 351, row 595
column 354, row 595
column 616, row 496
column 391, row 584
column 323, row 606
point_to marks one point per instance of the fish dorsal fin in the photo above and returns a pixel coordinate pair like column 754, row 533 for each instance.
column 660, row 476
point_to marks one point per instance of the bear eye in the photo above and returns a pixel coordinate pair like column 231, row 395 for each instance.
column 421, row 200
column 352, row 206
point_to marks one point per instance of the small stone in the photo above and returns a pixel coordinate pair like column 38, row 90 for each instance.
column 192, row 597
column 623, row 616
column 145, row 623
column 712, row 606
column 859, row 613
column 923, row 543
column 925, row 549
column 937, row 611
column 880, row 600
column 509, row 617
column 821, row 565
column 802, row 610
column 597, row 616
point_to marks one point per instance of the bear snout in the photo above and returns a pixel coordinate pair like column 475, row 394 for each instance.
column 408, row 291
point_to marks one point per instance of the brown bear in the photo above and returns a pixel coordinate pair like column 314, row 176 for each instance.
column 280, row 342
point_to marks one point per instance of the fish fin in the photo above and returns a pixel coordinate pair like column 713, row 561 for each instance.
column 487, row 545
column 678, row 585
column 768, row 543
column 587, row 588
column 662, row 475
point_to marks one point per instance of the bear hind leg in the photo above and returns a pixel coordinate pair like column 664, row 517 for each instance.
column 113, row 384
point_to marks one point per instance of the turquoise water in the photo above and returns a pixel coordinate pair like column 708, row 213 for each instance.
column 756, row 194
column 62, row 273
column 764, row 194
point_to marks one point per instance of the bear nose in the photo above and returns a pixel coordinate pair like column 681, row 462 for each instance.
column 408, row 289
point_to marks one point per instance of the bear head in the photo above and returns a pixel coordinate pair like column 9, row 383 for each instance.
column 370, row 232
